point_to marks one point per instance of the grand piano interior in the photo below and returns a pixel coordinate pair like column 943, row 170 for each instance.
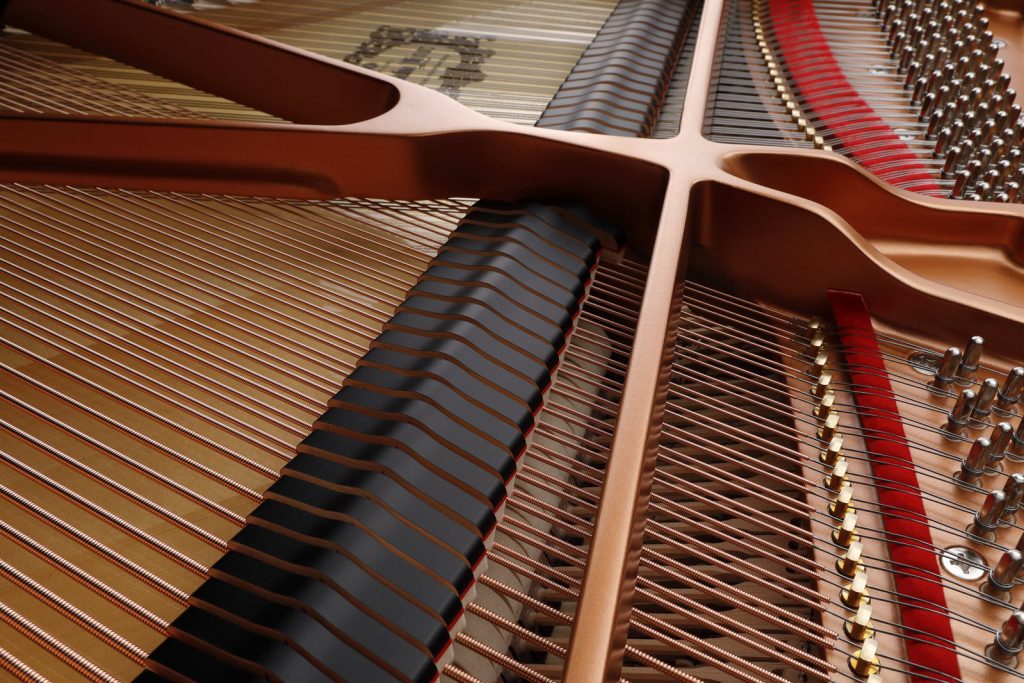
column 487, row 341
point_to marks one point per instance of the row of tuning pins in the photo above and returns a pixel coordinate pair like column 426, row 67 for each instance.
column 950, row 65
column 1000, row 507
column 863, row 661
column 994, row 403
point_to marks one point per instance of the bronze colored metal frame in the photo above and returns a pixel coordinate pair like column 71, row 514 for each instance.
column 786, row 224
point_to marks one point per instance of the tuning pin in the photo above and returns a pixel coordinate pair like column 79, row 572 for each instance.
column 928, row 103
column 997, row 68
column 1012, row 116
column 971, row 359
column 828, row 430
column 824, row 409
column 988, row 132
column 960, row 183
column 935, row 123
column 888, row 13
column 1003, row 167
column 848, row 563
column 1014, row 490
column 913, row 72
column 983, row 190
column 830, row 456
column 945, row 371
column 816, row 344
column 907, row 54
column 895, row 29
column 1008, row 640
column 835, row 481
column 1012, row 191
column 1017, row 443
column 960, row 415
column 843, row 503
column 1002, row 576
column 1002, row 84
column 973, row 466
column 822, row 385
column 966, row 150
column 986, row 399
column 920, row 87
column 986, row 520
column 859, row 627
column 1002, row 435
column 819, row 364
column 941, row 142
column 847, row 531
column 949, row 166
column 1010, row 392
column 856, row 592
column 864, row 662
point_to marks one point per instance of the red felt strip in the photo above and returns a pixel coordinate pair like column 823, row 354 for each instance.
column 816, row 76
column 921, row 600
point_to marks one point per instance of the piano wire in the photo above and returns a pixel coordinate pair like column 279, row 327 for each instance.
column 870, row 391
column 368, row 290
column 81, row 665
column 191, row 463
column 799, row 397
column 181, row 371
column 758, row 673
column 766, row 580
column 458, row 675
column 126, row 460
column 61, row 526
column 518, row 67
column 425, row 237
column 873, row 479
column 96, row 84
column 83, row 620
column 27, row 75
column 731, row 410
column 184, row 300
column 516, row 630
column 178, row 255
column 740, row 599
column 887, row 512
column 131, row 378
column 855, row 389
column 642, row 581
column 780, row 332
column 78, row 574
column 786, row 322
column 42, row 90
column 730, row 506
column 706, row 522
column 890, row 658
column 796, row 457
column 198, row 225
column 676, row 539
column 710, row 447
column 111, row 314
column 263, row 268
column 18, row 668
column 180, row 558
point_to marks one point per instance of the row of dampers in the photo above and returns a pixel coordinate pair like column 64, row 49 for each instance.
column 618, row 84
column 361, row 560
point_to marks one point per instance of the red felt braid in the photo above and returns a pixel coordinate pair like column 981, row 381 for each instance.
column 921, row 600
column 816, row 76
